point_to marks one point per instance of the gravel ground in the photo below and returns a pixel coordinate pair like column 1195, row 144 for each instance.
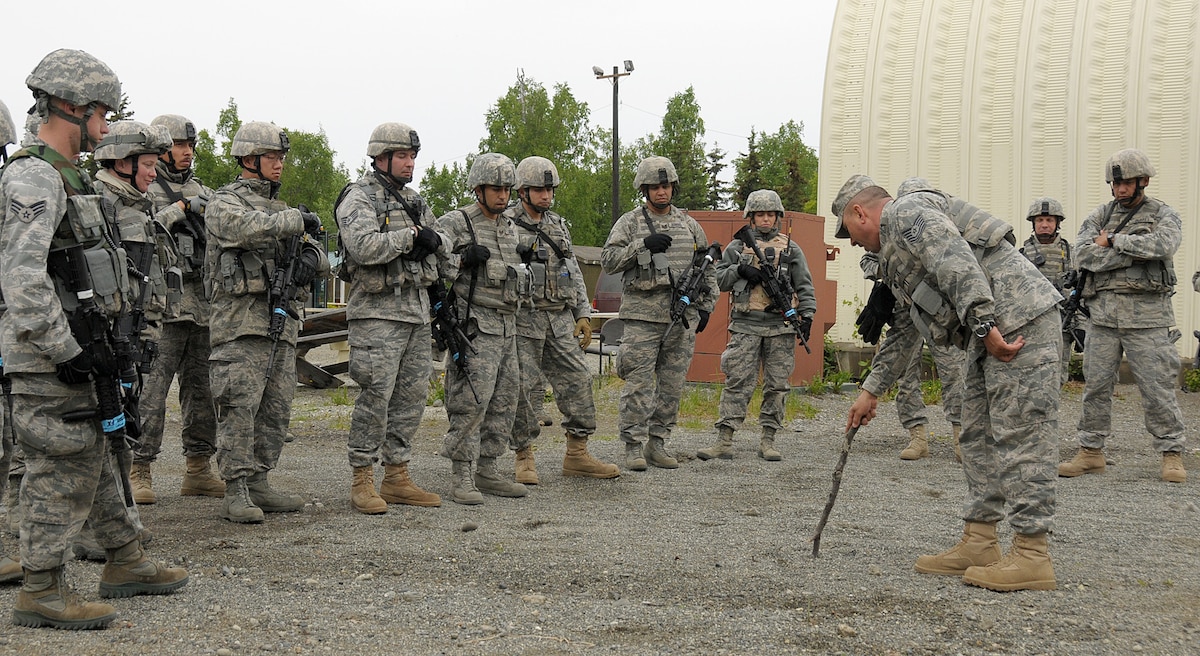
column 711, row 558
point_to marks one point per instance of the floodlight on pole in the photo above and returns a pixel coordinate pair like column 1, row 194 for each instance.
column 616, row 148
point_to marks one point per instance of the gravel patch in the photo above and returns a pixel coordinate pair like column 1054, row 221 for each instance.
column 711, row 558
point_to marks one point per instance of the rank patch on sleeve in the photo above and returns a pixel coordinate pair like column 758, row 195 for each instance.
column 26, row 213
column 912, row 234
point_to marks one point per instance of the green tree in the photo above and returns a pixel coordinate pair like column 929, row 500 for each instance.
column 213, row 162
column 445, row 188
column 311, row 177
column 681, row 141
column 780, row 161
column 718, row 191
column 747, row 171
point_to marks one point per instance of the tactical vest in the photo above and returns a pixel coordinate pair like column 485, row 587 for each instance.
column 754, row 298
column 551, row 283
column 1053, row 259
column 655, row 270
column 932, row 313
column 88, row 225
column 1141, row 276
column 242, row 271
column 151, row 253
column 391, row 215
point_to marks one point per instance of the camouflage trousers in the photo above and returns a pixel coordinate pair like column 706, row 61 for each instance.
column 390, row 361
column 1010, row 429
column 1155, row 365
column 557, row 359
column 743, row 358
column 483, row 427
column 654, row 377
column 70, row 475
column 254, row 406
column 182, row 349
column 7, row 446
column 910, row 403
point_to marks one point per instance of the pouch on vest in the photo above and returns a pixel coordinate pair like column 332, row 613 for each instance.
column 935, row 318
column 86, row 219
column 110, row 280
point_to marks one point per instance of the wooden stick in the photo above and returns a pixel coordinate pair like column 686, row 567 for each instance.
column 837, row 484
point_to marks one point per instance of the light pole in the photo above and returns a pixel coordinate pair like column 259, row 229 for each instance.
column 616, row 148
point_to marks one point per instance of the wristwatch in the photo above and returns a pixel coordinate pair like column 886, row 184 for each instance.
column 984, row 327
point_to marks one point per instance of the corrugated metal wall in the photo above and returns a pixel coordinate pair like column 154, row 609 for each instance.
column 1001, row 101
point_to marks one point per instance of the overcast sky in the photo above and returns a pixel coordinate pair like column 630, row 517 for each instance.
column 438, row 65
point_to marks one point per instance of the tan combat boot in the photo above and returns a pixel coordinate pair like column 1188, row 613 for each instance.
column 139, row 480
column 238, row 507
column 723, row 449
column 578, row 462
column 199, row 480
column 270, row 500
column 10, row 569
column 1026, row 566
column 1172, row 467
column 1086, row 461
column 463, row 489
column 397, row 487
column 977, row 547
column 128, row 573
column 634, row 460
column 957, row 448
column 47, row 600
column 489, row 480
column 526, row 468
column 656, row 454
column 766, row 446
column 918, row 444
column 363, row 496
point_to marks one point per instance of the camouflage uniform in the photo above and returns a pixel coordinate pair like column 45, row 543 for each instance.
column 388, row 314
column 654, row 368
column 1010, row 409
column 481, row 429
column 758, row 338
column 1054, row 261
column 183, row 347
column 1128, row 291
column 545, row 332
column 247, row 230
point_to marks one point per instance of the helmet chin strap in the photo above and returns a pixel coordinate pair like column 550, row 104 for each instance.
column 525, row 196
column 85, row 139
column 398, row 181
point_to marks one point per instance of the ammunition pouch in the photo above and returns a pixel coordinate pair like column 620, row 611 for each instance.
column 241, row 272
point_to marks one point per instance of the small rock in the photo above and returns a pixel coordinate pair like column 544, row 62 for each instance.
column 224, row 652
column 846, row 631
column 467, row 527
column 364, row 577
column 753, row 512
column 875, row 570
column 534, row 598
column 310, row 581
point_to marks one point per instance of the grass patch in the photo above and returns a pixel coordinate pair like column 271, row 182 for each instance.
column 341, row 396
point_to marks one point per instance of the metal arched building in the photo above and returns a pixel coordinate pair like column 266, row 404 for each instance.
column 1001, row 101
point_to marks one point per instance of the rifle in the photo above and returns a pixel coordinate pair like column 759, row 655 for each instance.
column 1074, row 307
column 448, row 331
column 691, row 285
column 283, row 290
column 779, row 290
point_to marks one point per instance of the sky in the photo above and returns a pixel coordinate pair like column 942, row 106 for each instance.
column 438, row 65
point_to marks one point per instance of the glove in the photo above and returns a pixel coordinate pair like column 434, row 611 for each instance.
column 754, row 275
column 657, row 242
column 806, row 327
column 76, row 371
column 306, row 266
column 583, row 332
column 195, row 204
column 428, row 240
column 525, row 253
column 703, row 323
column 475, row 255
column 876, row 313
column 312, row 222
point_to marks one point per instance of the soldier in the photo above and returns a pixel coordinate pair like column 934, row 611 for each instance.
column 1124, row 252
column 391, row 257
column 179, row 199
column 652, row 246
column 58, row 243
column 489, row 283
column 944, row 257
column 254, row 240
column 552, row 331
column 759, row 337
column 10, row 561
column 910, row 402
column 1051, row 254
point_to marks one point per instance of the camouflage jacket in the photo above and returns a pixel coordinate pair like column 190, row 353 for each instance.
column 1053, row 259
column 247, row 233
column 375, row 232
column 501, row 284
column 648, row 279
column 165, row 191
column 750, row 301
column 1130, row 285
column 557, row 282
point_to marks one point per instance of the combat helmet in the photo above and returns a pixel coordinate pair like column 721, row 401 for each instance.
column 1128, row 164
column 492, row 169
column 655, row 170
column 130, row 139
column 537, row 171
column 763, row 200
column 179, row 127
column 387, row 137
column 258, row 137
column 8, row 131
column 78, row 78
column 1045, row 206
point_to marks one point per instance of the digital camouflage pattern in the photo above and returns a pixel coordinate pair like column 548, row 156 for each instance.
column 492, row 169
column 77, row 77
column 8, row 130
column 1129, row 294
column 254, row 406
column 387, row 137
column 258, row 137
column 166, row 190
column 1054, row 261
column 743, row 358
column 789, row 260
column 131, row 138
column 390, row 360
column 1127, row 164
column 654, row 371
column 654, row 170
